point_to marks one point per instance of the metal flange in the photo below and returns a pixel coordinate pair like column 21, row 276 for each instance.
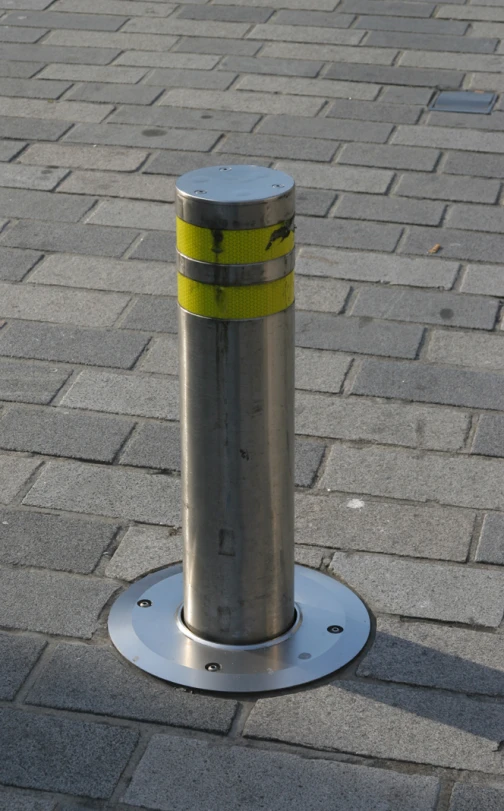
column 330, row 628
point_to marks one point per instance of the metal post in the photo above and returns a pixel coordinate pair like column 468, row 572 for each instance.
column 241, row 617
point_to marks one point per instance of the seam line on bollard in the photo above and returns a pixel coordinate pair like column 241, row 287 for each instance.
column 240, row 302
column 235, row 247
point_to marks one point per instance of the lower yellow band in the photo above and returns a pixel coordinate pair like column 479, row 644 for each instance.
column 228, row 303
column 234, row 247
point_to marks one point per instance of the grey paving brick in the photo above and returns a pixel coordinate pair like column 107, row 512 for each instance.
column 308, row 458
column 476, row 62
column 119, row 184
column 64, row 755
column 407, row 95
column 144, row 395
column 57, row 433
column 28, row 204
column 49, row 54
column 320, row 371
column 18, row 655
column 144, row 549
column 491, row 543
column 412, row 25
column 94, row 73
column 153, row 315
column 21, row 70
column 314, row 202
column 160, row 246
column 458, row 480
column 14, row 265
column 274, row 67
column 297, row 49
column 153, row 138
column 9, row 150
column 41, row 89
column 111, row 39
column 376, row 267
column 159, row 58
column 449, row 138
column 42, row 303
column 323, row 5
column 154, row 445
column 84, row 157
column 32, row 129
column 414, row 77
column 29, row 177
column 162, row 356
column 53, row 19
column 71, row 345
column 240, row 14
column 223, row 775
column 386, row 423
column 52, row 602
column 388, row 9
column 87, row 239
column 390, row 157
column 320, row 294
column 129, row 7
column 489, row 438
column 182, row 77
column 450, row 309
column 347, row 234
column 331, row 19
column 323, row 331
column 35, row 5
column 192, row 28
column 337, row 178
column 344, row 130
column 441, row 187
column 134, row 214
column 475, row 12
column 85, row 678
column 390, row 209
column 240, row 101
column 30, row 383
column 212, row 45
column 308, row 34
column 176, row 163
column 114, row 93
column 396, row 529
column 476, row 218
column 436, row 656
column 430, row 384
column 107, row 274
column 21, row 34
column 14, row 474
column 466, row 120
column 124, row 494
column 308, row 87
column 467, row 797
column 455, row 244
column 16, row 800
column 466, row 349
column 430, row 42
column 278, row 146
column 452, row 593
column 221, row 120
column 375, row 111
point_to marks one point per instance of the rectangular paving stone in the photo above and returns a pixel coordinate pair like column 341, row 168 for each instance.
column 388, row 75
column 221, row 776
column 39, row 205
column 392, row 9
column 316, row 87
column 407, row 95
column 314, row 202
column 124, row 394
column 371, row 111
column 441, row 187
column 53, row 541
column 271, row 66
column 85, row 678
column 30, row 177
column 317, row 371
column 245, row 14
column 309, row 33
column 183, row 77
column 476, row 218
column 326, row 295
column 338, row 178
column 153, row 315
column 466, row 349
column 14, row 265
column 162, row 356
column 50, row 54
column 430, row 42
column 96, row 273
column 348, row 234
column 70, row 238
column 324, row 331
column 14, row 474
column 74, row 757
column 491, row 543
column 144, row 549
column 449, row 309
column 331, row 19
column 67, row 344
column 476, row 62
column 24, row 35
column 323, row 5
column 278, row 146
column 30, row 382
column 212, row 45
column 395, row 529
column 21, row 70
column 308, row 458
column 467, row 797
column 111, row 39
column 462, row 163
column 154, row 445
column 54, row 19
column 32, row 129
column 125, row 494
column 344, row 130
column 450, row 730
column 18, row 655
column 134, row 214
column 94, row 73
column 179, row 27
column 415, row 25
column 449, row 138
column 386, row 423
column 489, row 438
column 158, row 247
column 19, row 800
column 56, row 433
column 375, row 267
column 119, row 184
column 436, row 656
column 332, row 53
column 9, row 150
column 448, row 592
column 431, row 384
column 43, row 303
column 240, row 101
column 391, row 209
column 36, row 90
column 114, row 93
column 52, row 603
column 476, row 12
column 468, row 120
column 129, row 7
column 455, row 244
column 389, row 157
column 116, row 159
column 159, row 58
column 174, row 163
column 458, row 480
column 121, row 135
column 186, row 119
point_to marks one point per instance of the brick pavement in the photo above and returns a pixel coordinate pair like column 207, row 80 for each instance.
column 400, row 403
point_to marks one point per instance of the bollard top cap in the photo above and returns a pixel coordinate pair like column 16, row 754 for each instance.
column 235, row 197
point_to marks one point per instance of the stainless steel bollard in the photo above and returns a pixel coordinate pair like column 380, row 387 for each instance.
column 240, row 617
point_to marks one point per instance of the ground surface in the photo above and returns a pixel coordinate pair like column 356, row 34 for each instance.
column 400, row 403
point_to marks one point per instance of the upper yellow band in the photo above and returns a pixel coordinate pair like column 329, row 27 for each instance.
column 234, row 247
column 230, row 303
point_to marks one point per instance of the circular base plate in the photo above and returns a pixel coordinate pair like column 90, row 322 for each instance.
column 331, row 628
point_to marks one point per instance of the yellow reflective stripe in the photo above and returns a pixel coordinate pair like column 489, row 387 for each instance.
column 247, row 301
column 234, row 247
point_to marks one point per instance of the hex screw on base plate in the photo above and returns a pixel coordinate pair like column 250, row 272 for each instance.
column 331, row 627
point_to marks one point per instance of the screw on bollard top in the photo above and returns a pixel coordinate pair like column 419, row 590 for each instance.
column 240, row 617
